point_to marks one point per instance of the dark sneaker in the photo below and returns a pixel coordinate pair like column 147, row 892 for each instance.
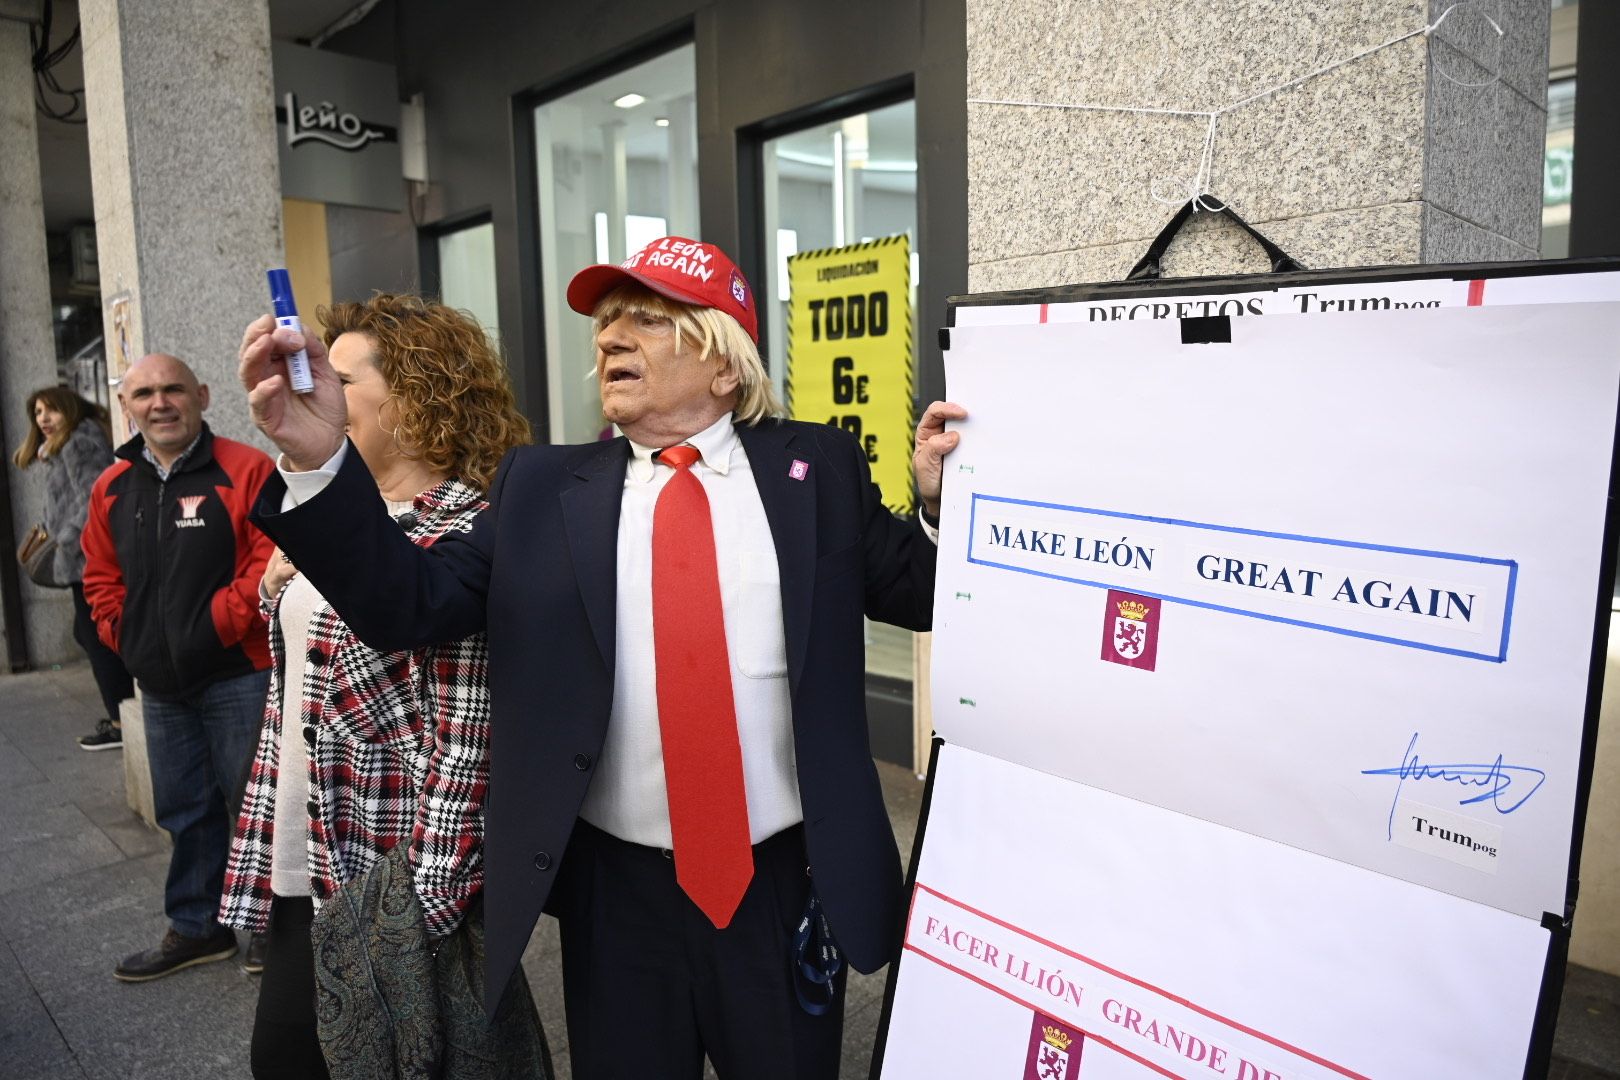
column 107, row 737
column 177, row 951
column 253, row 959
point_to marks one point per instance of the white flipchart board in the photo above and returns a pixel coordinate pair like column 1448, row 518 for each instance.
column 1262, row 670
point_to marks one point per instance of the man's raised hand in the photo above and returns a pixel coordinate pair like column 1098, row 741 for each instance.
column 308, row 428
column 933, row 443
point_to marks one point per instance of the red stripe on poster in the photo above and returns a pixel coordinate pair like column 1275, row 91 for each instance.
column 1047, row 1008
column 1476, row 292
column 1168, row 996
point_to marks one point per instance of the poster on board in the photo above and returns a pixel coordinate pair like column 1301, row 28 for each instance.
column 1071, row 934
column 119, row 321
column 1331, row 583
column 849, row 352
column 1283, row 294
column 1263, row 671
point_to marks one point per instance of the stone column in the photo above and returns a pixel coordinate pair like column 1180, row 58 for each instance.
column 187, row 187
column 27, row 345
column 187, row 190
column 1391, row 158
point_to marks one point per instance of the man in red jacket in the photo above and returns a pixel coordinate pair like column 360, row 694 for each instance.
column 172, row 568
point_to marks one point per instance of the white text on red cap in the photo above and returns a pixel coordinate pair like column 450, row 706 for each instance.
column 689, row 258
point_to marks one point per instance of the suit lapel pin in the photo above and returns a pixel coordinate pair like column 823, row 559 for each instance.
column 799, row 469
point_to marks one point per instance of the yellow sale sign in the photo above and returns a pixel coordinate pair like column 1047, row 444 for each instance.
column 849, row 358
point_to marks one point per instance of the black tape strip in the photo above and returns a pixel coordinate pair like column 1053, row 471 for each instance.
column 1206, row 329
column 944, row 339
column 1555, row 923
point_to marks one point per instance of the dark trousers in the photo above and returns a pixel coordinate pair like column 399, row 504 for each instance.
column 650, row 986
column 111, row 678
column 200, row 749
column 285, row 1046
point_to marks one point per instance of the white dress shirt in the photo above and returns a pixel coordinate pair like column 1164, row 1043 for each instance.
column 627, row 798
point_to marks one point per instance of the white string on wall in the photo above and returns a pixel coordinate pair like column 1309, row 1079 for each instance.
column 1182, row 189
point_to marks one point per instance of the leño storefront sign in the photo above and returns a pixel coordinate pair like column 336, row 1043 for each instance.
column 337, row 128
column 325, row 122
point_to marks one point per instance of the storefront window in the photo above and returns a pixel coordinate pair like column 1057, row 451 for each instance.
column 840, row 183
column 467, row 274
column 617, row 167
column 831, row 186
column 1558, row 169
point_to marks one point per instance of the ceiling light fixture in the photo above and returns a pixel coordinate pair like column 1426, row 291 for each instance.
column 629, row 101
column 662, row 121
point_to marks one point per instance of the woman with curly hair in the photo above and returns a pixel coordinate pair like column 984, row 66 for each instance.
column 72, row 439
column 363, row 750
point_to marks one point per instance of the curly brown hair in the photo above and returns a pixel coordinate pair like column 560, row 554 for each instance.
column 455, row 404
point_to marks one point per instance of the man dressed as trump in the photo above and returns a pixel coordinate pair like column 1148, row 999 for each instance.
column 680, row 769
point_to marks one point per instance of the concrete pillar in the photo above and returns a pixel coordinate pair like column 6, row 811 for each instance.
column 1386, row 159
column 616, row 174
column 186, row 182
column 187, row 200
column 27, row 345
column 680, row 203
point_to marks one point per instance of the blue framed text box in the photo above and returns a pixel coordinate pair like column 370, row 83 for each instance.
column 1439, row 601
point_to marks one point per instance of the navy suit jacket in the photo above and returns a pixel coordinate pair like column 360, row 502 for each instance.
column 538, row 571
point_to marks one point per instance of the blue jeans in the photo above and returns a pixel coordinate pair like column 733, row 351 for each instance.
column 200, row 748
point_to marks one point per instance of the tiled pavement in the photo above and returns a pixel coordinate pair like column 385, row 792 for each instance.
column 81, row 881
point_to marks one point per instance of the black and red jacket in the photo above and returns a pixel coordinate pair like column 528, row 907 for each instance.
column 172, row 566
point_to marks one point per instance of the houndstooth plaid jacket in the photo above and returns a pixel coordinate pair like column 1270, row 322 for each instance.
column 400, row 751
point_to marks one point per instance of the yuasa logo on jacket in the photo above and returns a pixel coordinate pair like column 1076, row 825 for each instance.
column 189, row 505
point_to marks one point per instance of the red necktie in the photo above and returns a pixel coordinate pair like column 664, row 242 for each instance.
column 703, row 774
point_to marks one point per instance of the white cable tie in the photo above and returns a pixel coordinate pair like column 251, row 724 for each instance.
column 1181, row 190
column 1336, row 65
column 1207, row 163
column 1089, row 108
column 1184, row 190
column 1500, row 34
column 1432, row 27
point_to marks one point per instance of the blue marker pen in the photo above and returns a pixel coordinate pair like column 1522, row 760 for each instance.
column 286, row 312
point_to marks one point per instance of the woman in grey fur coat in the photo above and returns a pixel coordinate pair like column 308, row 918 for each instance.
column 71, row 438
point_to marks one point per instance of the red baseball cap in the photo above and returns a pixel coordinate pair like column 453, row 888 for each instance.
column 688, row 271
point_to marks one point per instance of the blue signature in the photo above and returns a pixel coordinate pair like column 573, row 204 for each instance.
column 1496, row 778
